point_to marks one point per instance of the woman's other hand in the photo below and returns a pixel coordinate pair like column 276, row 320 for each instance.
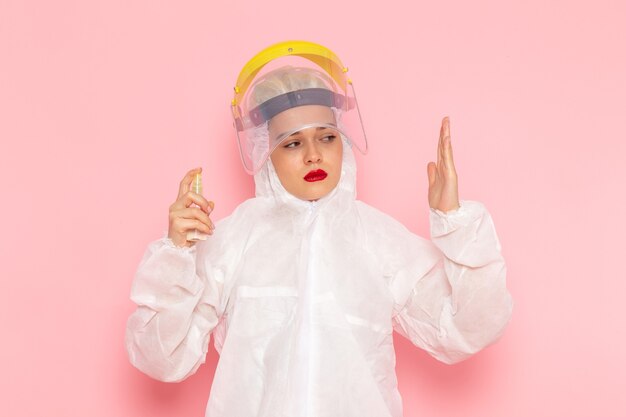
column 443, row 189
column 183, row 218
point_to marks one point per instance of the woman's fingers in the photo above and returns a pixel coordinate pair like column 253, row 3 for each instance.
column 446, row 144
column 448, row 149
column 437, row 170
column 445, row 141
column 449, row 158
column 182, row 226
column 185, row 183
column 442, row 178
column 193, row 213
column 190, row 198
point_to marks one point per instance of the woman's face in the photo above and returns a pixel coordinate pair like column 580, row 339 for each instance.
column 308, row 162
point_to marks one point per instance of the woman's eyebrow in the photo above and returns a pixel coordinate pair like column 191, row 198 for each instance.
column 299, row 132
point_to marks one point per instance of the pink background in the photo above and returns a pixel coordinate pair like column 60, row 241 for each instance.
column 104, row 105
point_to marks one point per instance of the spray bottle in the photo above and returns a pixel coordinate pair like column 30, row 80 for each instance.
column 196, row 187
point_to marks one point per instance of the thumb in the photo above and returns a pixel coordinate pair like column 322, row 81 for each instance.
column 431, row 169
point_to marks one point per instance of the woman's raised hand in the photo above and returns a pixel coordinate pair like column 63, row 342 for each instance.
column 443, row 187
column 183, row 218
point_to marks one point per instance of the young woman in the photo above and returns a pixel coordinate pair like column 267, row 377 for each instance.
column 303, row 285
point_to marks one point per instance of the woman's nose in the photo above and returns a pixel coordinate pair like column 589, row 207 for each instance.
column 312, row 154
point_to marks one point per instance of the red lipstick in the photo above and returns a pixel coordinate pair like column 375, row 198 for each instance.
column 317, row 175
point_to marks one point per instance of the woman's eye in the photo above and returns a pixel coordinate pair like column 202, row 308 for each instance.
column 292, row 144
column 328, row 138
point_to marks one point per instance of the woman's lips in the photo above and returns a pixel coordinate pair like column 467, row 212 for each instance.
column 317, row 175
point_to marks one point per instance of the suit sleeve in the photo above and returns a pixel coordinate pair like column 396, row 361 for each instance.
column 451, row 299
column 177, row 297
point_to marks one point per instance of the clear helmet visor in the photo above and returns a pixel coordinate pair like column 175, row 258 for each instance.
column 289, row 93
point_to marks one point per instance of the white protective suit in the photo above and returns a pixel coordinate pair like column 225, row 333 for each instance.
column 302, row 298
